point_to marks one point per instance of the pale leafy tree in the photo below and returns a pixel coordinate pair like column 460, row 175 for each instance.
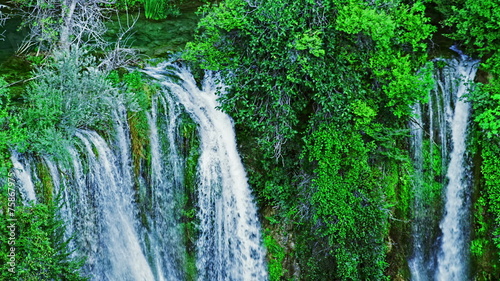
column 58, row 24
column 3, row 18
column 121, row 54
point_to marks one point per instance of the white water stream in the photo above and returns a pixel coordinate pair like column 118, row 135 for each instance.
column 444, row 121
column 453, row 258
column 229, row 246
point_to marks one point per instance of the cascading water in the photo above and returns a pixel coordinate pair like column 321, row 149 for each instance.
column 440, row 249
column 165, row 192
column 128, row 225
column 117, row 237
column 228, row 247
column 453, row 258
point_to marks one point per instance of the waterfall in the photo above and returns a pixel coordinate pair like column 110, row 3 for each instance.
column 117, row 237
column 165, row 192
column 440, row 244
column 229, row 246
column 128, row 222
column 452, row 260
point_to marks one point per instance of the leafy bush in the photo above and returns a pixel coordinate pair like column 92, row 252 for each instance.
column 347, row 199
column 475, row 23
column 67, row 94
column 11, row 132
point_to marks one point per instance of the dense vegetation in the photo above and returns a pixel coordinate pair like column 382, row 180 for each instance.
column 321, row 95
column 323, row 92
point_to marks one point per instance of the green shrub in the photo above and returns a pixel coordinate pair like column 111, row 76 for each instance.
column 68, row 93
column 33, row 247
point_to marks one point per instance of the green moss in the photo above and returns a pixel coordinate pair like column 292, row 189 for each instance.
column 45, row 188
column 190, row 148
column 189, row 226
column 139, row 133
column 191, row 270
column 433, row 177
column 398, row 181
column 190, row 151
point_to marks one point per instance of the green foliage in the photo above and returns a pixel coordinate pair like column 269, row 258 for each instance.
column 305, row 59
column 319, row 91
column 477, row 246
column 67, row 94
column 11, row 132
column 486, row 102
column 354, row 19
column 276, row 255
column 485, row 246
column 476, row 23
column 480, row 242
column 491, row 162
column 347, row 202
column 310, row 41
column 137, row 91
column 35, row 60
column 41, row 253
